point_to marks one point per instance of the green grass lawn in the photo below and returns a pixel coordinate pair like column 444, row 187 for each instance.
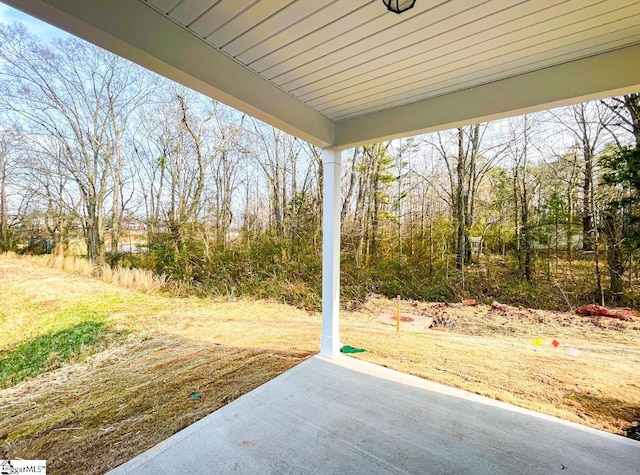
column 41, row 330
column 51, row 350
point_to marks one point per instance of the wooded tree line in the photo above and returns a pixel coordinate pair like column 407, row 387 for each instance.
column 93, row 145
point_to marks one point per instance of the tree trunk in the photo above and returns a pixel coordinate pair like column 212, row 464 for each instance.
column 460, row 203
column 375, row 216
column 94, row 233
column 431, row 247
column 399, row 214
column 569, row 230
column 587, row 207
column 613, row 231
column 5, row 243
column 516, row 219
column 525, row 235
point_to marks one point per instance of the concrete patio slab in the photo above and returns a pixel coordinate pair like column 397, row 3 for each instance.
column 348, row 416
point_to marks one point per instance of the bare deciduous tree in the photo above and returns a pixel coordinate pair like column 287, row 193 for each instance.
column 82, row 96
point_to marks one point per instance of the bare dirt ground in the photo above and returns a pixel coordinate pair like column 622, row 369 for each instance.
column 180, row 359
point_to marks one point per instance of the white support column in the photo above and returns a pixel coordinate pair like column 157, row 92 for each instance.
column 332, row 202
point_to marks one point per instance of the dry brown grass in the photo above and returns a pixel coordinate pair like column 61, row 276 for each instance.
column 142, row 280
column 94, row 414
column 492, row 353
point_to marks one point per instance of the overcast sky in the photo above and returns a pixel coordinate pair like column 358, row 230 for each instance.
column 37, row 27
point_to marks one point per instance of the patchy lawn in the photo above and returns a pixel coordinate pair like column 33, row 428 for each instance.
column 95, row 374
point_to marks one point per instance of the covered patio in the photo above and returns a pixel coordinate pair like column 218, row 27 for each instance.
column 348, row 416
column 344, row 73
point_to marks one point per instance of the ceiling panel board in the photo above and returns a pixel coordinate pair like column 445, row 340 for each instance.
column 419, row 95
column 252, row 16
column 471, row 49
column 478, row 73
column 278, row 23
column 218, row 15
column 347, row 58
column 564, row 84
column 300, row 52
column 451, row 82
column 273, row 45
column 189, row 10
column 469, row 39
column 165, row 6
column 377, row 43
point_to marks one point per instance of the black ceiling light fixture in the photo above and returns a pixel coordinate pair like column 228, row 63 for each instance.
column 399, row 6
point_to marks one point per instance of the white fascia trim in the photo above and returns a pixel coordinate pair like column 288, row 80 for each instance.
column 605, row 75
column 139, row 33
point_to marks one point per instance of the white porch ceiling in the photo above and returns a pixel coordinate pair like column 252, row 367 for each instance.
column 344, row 72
